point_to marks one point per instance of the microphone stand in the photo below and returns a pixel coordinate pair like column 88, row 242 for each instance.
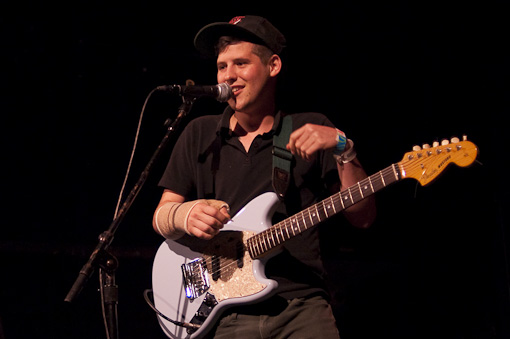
column 101, row 256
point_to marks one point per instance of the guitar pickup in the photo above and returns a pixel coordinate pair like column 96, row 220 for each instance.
column 195, row 278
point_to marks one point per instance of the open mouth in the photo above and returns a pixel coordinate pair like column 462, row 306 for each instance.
column 236, row 90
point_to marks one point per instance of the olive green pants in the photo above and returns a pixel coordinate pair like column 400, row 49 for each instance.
column 300, row 318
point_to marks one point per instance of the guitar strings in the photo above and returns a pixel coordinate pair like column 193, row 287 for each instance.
column 278, row 233
column 215, row 260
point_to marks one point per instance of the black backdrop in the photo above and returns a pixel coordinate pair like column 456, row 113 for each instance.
column 391, row 73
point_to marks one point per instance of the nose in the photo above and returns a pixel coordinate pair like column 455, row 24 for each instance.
column 230, row 75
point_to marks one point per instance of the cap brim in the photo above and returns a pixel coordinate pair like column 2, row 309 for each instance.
column 207, row 38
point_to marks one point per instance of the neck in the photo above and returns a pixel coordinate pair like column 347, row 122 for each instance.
column 260, row 120
column 247, row 127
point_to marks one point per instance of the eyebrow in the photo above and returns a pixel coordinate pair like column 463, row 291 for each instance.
column 236, row 60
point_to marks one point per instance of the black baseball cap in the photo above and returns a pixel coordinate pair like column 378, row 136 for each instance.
column 250, row 28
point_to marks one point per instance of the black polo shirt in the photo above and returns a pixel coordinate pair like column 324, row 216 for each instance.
column 209, row 162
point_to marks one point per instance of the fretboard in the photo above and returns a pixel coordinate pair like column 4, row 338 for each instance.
column 263, row 242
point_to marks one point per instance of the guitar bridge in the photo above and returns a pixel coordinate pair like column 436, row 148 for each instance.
column 195, row 278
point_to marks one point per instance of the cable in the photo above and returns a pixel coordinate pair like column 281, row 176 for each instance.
column 103, row 311
column 121, row 193
column 119, row 200
column 175, row 322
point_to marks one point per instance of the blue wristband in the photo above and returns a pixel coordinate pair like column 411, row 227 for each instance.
column 341, row 140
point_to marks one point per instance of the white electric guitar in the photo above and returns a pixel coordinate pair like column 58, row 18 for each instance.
column 192, row 286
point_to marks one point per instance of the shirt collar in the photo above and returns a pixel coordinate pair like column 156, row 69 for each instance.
column 223, row 127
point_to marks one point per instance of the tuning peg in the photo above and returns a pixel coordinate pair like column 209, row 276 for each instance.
column 416, row 148
column 455, row 140
column 445, row 142
column 425, row 146
column 435, row 144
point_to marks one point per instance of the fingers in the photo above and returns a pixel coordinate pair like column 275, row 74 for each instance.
column 306, row 149
column 307, row 140
column 226, row 215
column 205, row 221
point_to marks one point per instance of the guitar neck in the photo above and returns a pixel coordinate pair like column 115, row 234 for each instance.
column 262, row 243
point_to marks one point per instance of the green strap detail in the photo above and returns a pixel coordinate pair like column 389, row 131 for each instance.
column 282, row 158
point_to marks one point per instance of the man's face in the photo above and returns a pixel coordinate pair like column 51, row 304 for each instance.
column 245, row 73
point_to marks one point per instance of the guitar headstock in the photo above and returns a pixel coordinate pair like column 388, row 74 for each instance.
column 426, row 163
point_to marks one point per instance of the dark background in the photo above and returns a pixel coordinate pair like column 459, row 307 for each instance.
column 392, row 74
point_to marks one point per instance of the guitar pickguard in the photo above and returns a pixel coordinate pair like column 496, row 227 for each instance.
column 229, row 266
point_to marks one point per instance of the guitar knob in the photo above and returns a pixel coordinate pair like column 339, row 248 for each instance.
column 464, row 137
column 455, row 140
column 425, row 146
column 444, row 142
column 435, row 144
column 416, row 148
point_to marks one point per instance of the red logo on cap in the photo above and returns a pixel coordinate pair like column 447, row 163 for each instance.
column 236, row 20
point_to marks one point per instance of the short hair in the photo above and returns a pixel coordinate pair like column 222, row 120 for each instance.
column 263, row 52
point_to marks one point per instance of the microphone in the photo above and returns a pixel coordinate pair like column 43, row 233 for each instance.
column 221, row 92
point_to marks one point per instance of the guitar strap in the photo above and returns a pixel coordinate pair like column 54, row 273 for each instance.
column 282, row 158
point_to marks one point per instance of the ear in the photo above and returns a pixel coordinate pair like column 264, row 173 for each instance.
column 275, row 65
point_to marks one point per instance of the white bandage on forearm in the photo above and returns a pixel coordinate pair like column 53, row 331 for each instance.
column 171, row 219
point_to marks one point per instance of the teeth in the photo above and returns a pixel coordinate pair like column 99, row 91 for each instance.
column 235, row 89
